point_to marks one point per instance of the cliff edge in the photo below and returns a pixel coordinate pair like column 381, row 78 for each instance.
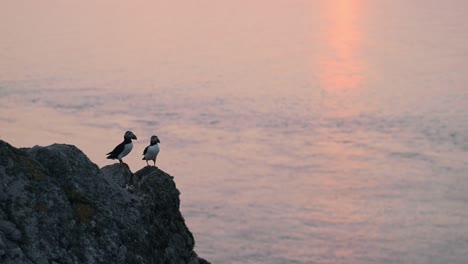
column 56, row 206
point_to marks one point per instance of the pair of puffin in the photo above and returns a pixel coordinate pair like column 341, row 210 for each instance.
column 122, row 150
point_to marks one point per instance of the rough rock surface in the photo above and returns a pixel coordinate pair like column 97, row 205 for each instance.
column 56, row 206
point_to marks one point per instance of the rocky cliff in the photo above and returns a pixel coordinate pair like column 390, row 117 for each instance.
column 56, row 206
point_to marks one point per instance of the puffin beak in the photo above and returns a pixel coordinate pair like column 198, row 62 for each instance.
column 134, row 137
column 158, row 140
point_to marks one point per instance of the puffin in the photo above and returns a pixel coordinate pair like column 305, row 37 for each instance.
column 123, row 148
column 151, row 151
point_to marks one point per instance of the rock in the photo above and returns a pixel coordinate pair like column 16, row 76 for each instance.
column 120, row 174
column 56, row 206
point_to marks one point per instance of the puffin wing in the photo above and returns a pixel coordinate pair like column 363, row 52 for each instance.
column 117, row 150
column 144, row 153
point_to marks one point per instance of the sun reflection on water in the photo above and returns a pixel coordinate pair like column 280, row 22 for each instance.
column 341, row 67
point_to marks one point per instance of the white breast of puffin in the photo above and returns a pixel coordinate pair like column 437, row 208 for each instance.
column 152, row 152
column 127, row 148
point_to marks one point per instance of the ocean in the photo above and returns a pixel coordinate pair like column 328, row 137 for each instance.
column 297, row 131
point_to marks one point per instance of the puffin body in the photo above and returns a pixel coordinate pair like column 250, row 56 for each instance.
column 151, row 151
column 123, row 148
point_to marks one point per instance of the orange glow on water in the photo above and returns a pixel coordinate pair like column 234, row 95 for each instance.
column 341, row 67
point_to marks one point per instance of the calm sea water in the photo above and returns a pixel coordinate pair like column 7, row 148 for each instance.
column 297, row 131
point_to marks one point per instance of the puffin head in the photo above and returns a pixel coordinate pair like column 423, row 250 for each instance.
column 130, row 135
column 154, row 140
